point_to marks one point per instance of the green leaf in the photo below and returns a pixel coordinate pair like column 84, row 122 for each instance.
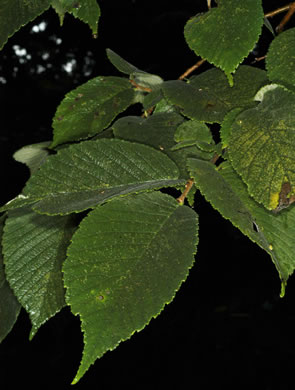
column 140, row 77
column 193, row 132
column 16, row 13
column 132, row 255
column 33, row 155
column 121, row 64
column 226, row 125
column 34, row 247
column 225, row 35
column 9, row 306
column 280, row 59
column 92, row 172
column 90, row 108
column 155, row 101
column 261, row 145
column 158, row 131
column 87, row 11
column 194, row 140
column 208, row 97
column 227, row 193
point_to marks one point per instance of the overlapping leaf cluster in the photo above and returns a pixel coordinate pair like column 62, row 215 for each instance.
column 125, row 261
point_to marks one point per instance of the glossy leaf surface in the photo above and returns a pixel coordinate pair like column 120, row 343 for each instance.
column 34, row 247
column 126, row 261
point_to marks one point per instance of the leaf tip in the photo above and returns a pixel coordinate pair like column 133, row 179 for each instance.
column 283, row 288
column 230, row 79
column 75, row 380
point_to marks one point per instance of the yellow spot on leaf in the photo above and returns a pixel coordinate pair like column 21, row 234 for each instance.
column 274, row 200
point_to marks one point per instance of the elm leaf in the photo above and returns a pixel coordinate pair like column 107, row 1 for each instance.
column 92, row 172
column 125, row 263
column 225, row 35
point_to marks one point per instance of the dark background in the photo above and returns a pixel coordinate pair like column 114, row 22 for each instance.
column 227, row 325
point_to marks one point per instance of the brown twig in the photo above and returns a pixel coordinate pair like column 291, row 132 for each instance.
column 191, row 182
column 215, row 158
column 140, row 86
column 257, row 59
column 191, row 69
column 286, row 18
column 187, row 189
column 290, row 8
column 278, row 11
